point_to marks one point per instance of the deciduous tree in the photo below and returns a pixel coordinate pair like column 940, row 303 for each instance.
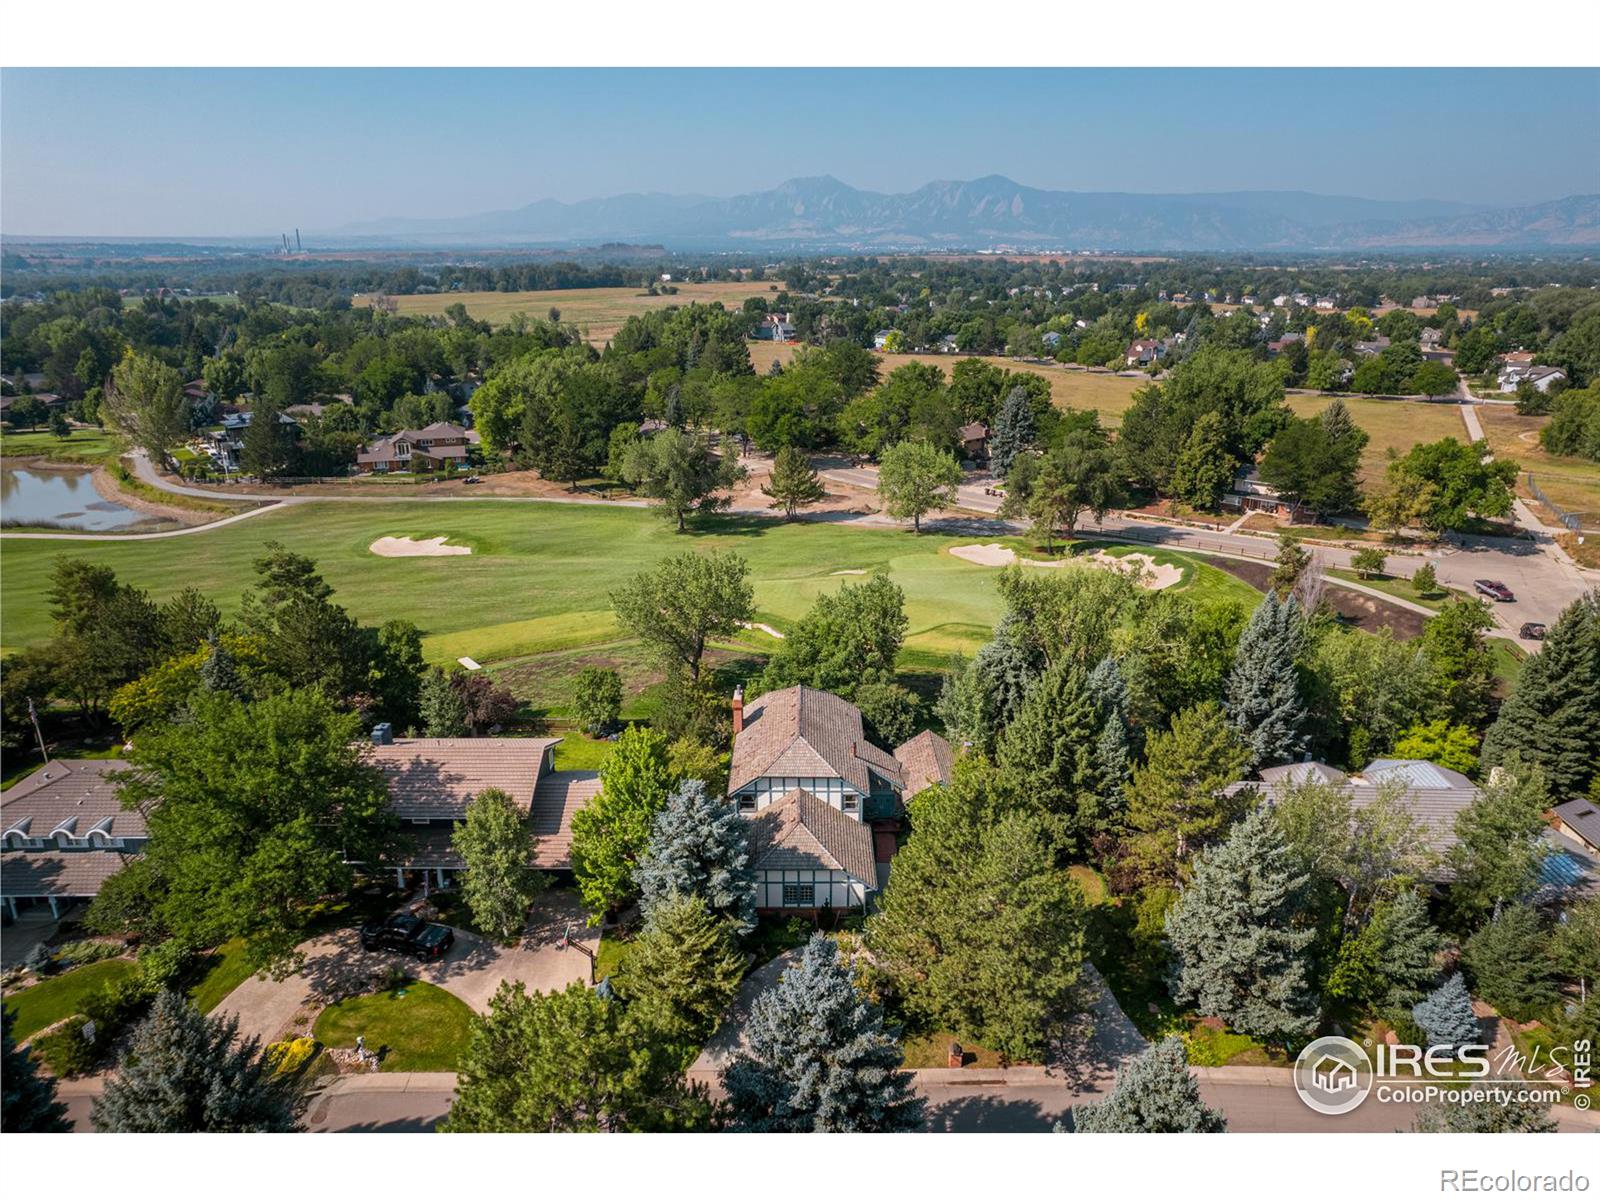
column 611, row 832
column 915, row 479
column 682, row 602
column 496, row 846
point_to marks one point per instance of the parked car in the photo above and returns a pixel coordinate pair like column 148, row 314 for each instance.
column 1494, row 589
column 405, row 934
column 1534, row 631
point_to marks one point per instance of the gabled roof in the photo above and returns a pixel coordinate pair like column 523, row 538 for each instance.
column 75, row 790
column 924, row 761
column 1301, row 771
column 434, row 778
column 1416, row 772
column 807, row 733
column 1582, row 816
column 801, row 832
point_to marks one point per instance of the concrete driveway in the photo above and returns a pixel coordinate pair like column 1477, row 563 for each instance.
column 473, row 970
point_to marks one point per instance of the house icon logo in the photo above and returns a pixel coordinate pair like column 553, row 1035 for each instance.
column 1333, row 1075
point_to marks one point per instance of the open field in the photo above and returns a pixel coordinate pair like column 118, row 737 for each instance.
column 1573, row 483
column 538, row 579
column 84, row 445
column 1390, row 424
column 599, row 310
column 1109, row 395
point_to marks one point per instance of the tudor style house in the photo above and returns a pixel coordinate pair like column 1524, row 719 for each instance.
column 65, row 834
column 438, row 445
column 432, row 780
column 826, row 805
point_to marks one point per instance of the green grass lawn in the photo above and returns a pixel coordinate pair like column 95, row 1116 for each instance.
column 539, row 576
column 415, row 1027
column 1508, row 662
column 1401, row 589
column 579, row 752
column 226, row 969
column 84, row 445
column 60, row 996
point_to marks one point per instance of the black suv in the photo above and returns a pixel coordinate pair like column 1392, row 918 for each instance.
column 408, row 935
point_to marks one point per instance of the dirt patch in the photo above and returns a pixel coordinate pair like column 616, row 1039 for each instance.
column 1365, row 612
column 404, row 547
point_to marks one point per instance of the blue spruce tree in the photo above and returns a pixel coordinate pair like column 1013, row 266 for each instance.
column 1262, row 695
column 1013, row 431
column 1446, row 1016
column 699, row 847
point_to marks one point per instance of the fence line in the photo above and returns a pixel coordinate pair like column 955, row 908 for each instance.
column 1186, row 543
column 1570, row 520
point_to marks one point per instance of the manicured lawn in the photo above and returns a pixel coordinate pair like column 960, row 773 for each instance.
column 1389, row 585
column 84, row 445
column 1508, row 662
column 226, row 969
column 611, row 955
column 933, row 1050
column 580, row 752
column 60, row 996
column 415, row 1027
column 539, row 576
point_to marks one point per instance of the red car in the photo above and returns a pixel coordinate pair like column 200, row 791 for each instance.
column 1494, row 589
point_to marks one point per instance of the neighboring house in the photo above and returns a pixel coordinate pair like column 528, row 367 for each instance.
column 881, row 339
column 1051, row 338
column 65, row 834
column 974, row 440
column 826, row 804
column 947, row 344
column 225, row 443
column 1431, row 339
column 1250, row 493
column 775, row 327
column 1373, row 348
column 1542, row 378
column 438, row 445
column 1143, row 352
column 1517, row 358
column 1277, row 347
column 198, row 392
column 432, row 780
column 1434, row 795
column 1580, row 821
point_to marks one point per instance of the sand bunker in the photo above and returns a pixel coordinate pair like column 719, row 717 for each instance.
column 850, row 571
column 1153, row 575
column 765, row 628
column 404, row 547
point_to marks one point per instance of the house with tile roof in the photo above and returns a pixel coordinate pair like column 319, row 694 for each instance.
column 436, row 446
column 65, row 833
column 826, row 804
column 432, row 780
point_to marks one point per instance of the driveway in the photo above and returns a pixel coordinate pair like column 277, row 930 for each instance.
column 473, row 970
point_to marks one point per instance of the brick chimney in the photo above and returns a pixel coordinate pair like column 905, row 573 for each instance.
column 738, row 710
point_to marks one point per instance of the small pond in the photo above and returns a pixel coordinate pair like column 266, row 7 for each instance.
column 29, row 496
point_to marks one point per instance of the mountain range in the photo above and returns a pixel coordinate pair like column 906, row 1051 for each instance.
column 821, row 213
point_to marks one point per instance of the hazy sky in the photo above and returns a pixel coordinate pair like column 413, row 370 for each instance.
column 214, row 152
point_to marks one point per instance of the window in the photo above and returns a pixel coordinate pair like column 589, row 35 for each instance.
column 747, row 804
column 799, row 895
column 850, row 802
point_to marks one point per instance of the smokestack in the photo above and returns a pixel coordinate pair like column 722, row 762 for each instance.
column 383, row 734
column 738, row 710
column 298, row 249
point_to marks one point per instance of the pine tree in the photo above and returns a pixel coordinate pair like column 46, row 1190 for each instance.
column 443, row 711
column 1411, row 948
column 1510, row 962
column 183, row 1073
column 1049, row 750
column 1520, row 1114
column 1291, row 565
column 29, row 1099
column 1155, row 1093
column 1446, row 1016
column 1242, row 952
column 818, row 1058
column 1013, row 431
column 1176, row 803
column 700, row 847
column 1263, row 689
column 1005, row 668
column 219, row 672
column 793, row 483
column 1550, row 719
column 1113, row 754
column 683, row 969
column 500, row 882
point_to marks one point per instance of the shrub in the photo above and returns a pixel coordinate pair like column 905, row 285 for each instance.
column 1426, row 581
column 66, row 1051
column 78, row 953
column 285, row 1058
column 116, row 1006
column 597, row 700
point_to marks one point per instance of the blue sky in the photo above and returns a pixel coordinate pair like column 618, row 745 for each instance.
column 220, row 152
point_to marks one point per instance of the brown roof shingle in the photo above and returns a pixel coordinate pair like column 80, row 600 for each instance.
column 560, row 794
column 800, row 731
column 26, row 874
column 71, row 789
column 434, row 778
column 924, row 761
column 805, row 833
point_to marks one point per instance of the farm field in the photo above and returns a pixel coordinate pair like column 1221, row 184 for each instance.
column 1390, row 424
column 1573, row 483
column 601, row 311
column 538, row 579
column 1109, row 395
